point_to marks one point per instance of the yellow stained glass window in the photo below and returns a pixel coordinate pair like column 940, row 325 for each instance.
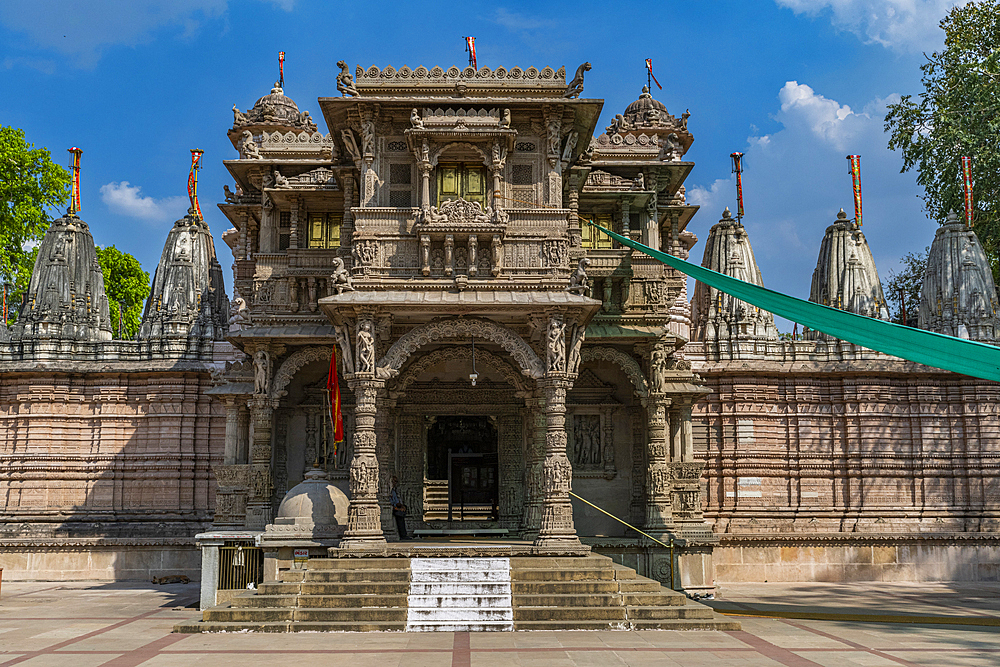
column 324, row 230
column 467, row 181
column 593, row 239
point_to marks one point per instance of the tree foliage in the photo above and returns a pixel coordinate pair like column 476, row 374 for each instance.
column 30, row 184
column 908, row 283
column 958, row 114
column 126, row 283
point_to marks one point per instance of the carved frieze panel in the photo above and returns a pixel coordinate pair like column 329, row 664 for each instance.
column 590, row 441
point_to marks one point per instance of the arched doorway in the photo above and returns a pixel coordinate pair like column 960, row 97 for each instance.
column 462, row 452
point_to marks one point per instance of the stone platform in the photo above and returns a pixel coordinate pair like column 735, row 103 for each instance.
column 455, row 593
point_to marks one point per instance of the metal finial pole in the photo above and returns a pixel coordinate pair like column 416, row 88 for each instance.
column 74, row 165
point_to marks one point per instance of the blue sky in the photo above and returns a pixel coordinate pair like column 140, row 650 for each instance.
column 794, row 84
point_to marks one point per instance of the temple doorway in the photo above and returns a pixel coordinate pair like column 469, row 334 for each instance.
column 462, row 469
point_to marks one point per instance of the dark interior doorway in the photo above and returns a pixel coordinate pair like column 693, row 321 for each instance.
column 462, row 435
column 463, row 451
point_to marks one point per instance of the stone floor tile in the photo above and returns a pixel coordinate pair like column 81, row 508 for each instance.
column 945, row 659
column 855, row 658
column 595, row 658
column 51, row 659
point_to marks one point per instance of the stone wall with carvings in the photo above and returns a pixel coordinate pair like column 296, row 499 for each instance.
column 105, row 458
column 823, row 453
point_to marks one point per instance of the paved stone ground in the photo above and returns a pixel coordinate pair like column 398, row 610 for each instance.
column 124, row 625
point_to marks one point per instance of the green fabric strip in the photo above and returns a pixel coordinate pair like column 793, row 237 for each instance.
column 924, row 347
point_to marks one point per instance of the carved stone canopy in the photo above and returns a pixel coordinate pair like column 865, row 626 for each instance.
column 275, row 108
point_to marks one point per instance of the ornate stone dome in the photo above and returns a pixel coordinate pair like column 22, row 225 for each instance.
column 719, row 316
column 188, row 296
column 845, row 275
column 275, row 108
column 66, row 298
column 315, row 508
column 958, row 296
column 646, row 111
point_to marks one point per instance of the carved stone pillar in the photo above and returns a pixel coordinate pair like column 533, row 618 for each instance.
column 259, row 508
column 659, row 515
column 425, row 187
column 553, row 141
column 364, row 523
column 243, row 435
column 293, row 225
column 532, row 519
column 242, row 248
column 575, row 231
column 232, row 431
column 425, row 254
column 293, row 294
column 473, row 255
column 347, row 230
column 311, row 454
column 625, row 217
column 311, row 282
column 637, row 505
column 449, row 254
column 556, row 530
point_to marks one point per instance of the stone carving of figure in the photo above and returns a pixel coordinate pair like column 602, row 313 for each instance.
column 639, row 183
column 261, row 371
column 553, row 126
column 279, row 180
column 344, row 342
column 671, row 149
column 230, row 195
column 415, row 120
column 587, row 156
column 341, row 278
column 351, row 144
column 425, row 152
column 618, row 124
column 578, row 281
column 306, row 121
column 505, row 119
column 366, row 348
column 570, row 146
column 368, row 137
column 575, row 86
column 240, row 314
column 657, row 366
column 250, row 149
column 239, row 118
column 557, row 346
column 684, row 119
column 345, row 82
column 575, row 346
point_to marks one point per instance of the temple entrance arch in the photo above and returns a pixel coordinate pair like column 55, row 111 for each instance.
column 463, row 328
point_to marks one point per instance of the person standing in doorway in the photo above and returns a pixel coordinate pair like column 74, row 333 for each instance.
column 398, row 508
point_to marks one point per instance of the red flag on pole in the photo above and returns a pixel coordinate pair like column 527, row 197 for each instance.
column 281, row 69
column 470, row 48
column 738, row 170
column 855, row 161
column 649, row 70
column 336, row 413
column 967, row 182
column 74, row 165
column 193, row 181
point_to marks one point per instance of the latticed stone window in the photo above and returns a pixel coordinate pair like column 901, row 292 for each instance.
column 324, row 230
column 521, row 174
column 593, row 239
column 400, row 185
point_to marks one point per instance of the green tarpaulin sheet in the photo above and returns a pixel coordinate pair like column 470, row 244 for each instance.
column 924, row 347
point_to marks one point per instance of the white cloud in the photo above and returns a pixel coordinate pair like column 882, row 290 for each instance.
column 901, row 25
column 125, row 199
column 82, row 30
column 796, row 179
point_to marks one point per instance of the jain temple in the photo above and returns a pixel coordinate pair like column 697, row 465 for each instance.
column 523, row 377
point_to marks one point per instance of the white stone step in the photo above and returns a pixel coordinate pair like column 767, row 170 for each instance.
column 459, row 600
column 419, row 589
column 459, row 594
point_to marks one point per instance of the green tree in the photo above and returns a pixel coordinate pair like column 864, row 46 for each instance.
column 126, row 283
column 907, row 282
column 958, row 114
column 30, row 184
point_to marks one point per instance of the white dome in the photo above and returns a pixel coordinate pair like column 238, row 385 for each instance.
column 316, row 504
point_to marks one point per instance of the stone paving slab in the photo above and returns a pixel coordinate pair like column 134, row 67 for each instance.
column 83, row 624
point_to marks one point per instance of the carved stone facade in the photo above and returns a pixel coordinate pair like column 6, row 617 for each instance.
column 439, row 247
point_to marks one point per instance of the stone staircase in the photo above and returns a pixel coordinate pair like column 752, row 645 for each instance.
column 436, row 505
column 451, row 594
